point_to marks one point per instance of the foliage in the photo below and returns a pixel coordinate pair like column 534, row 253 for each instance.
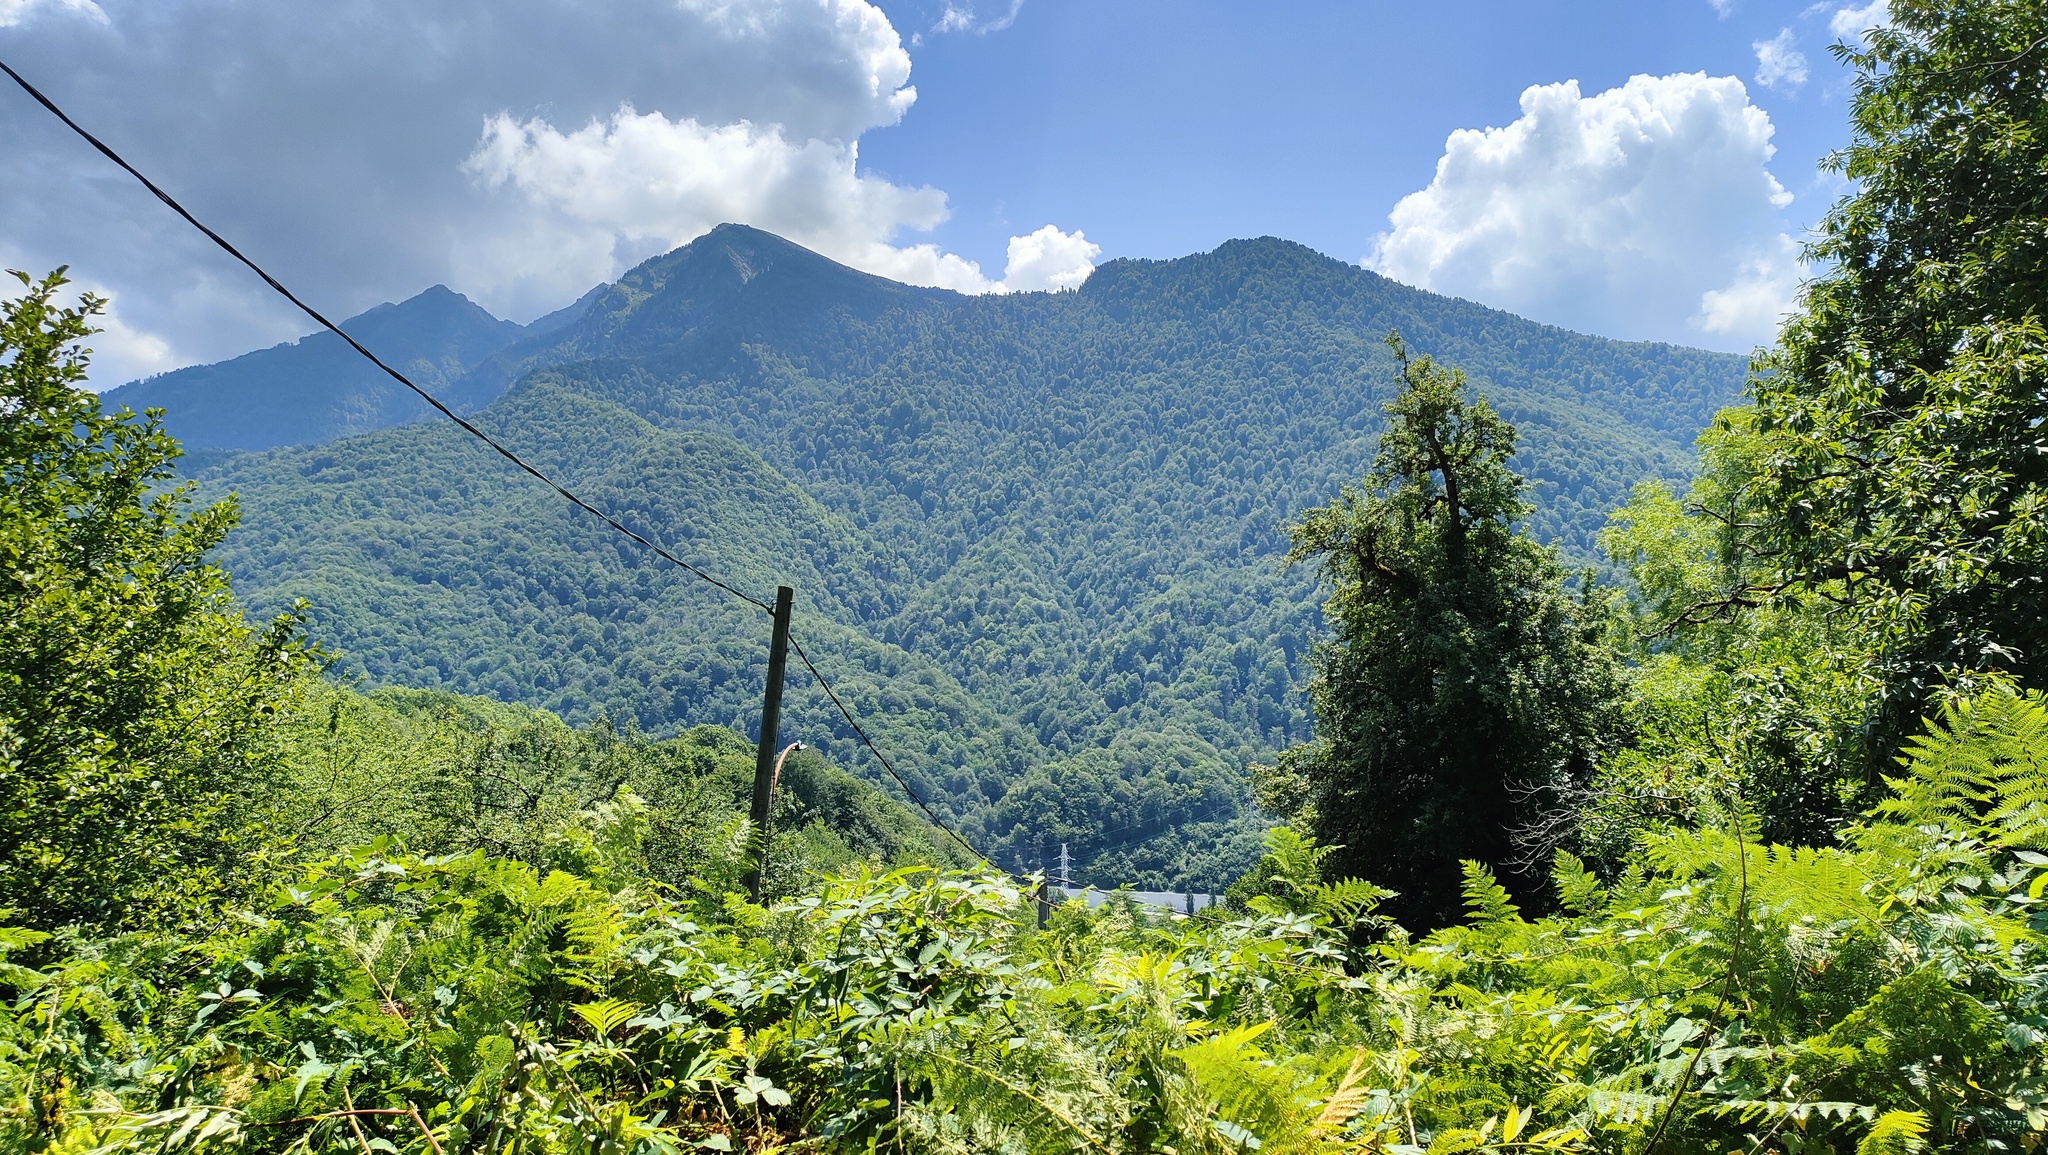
column 443, row 924
column 133, row 698
column 1464, row 689
column 1900, row 480
column 1862, row 542
column 1716, row 995
column 443, row 774
column 1772, row 697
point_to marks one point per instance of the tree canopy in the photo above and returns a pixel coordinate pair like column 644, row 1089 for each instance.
column 1899, row 481
column 1463, row 692
column 132, row 693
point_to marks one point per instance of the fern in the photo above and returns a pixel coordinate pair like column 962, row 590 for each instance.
column 1486, row 900
column 606, row 1016
column 1045, row 1094
column 1895, row 1133
column 1980, row 769
column 1578, row 889
column 1348, row 900
column 1253, row 1099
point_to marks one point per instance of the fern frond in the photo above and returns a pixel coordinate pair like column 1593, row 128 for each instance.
column 1486, row 900
column 1895, row 1133
column 1980, row 769
column 1578, row 889
column 606, row 1016
column 1253, row 1097
column 1345, row 1102
column 1347, row 900
column 1078, row 1133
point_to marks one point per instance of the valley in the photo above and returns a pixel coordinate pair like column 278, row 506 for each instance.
column 1039, row 537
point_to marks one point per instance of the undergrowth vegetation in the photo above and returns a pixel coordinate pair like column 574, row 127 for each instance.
column 1718, row 994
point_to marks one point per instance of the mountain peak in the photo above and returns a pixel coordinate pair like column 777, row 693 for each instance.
column 732, row 256
column 733, row 275
column 439, row 307
column 317, row 388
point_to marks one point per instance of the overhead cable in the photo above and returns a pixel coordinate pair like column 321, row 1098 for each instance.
column 395, row 375
column 876, row 751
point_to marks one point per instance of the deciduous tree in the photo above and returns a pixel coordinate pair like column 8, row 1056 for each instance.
column 1903, row 483
column 133, row 697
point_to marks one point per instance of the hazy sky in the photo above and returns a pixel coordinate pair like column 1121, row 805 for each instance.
column 1633, row 168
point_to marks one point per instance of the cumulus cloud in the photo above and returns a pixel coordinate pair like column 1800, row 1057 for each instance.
column 1615, row 213
column 518, row 150
column 1779, row 63
column 1049, row 260
column 1762, row 294
column 1849, row 24
column 639, row 183
column 122, row 352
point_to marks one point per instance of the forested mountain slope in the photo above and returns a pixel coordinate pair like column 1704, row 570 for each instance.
column 1039, row 535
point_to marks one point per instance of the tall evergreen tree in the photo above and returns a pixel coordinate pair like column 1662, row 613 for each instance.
column 1463, row 688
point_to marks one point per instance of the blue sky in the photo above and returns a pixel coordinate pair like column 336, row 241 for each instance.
column 1164, row 128
column 1641, row 170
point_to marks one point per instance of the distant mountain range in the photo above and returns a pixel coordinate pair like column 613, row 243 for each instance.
column 317, row 389
column 1037, row 537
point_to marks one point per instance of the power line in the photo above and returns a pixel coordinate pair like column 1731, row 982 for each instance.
column 1219, row 813
column 401, row 378
column 876, row 751
column 533, row 471
column 1212, row 816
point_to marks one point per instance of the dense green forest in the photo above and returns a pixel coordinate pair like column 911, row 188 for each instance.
column 1744, row 852
column 1039, row 538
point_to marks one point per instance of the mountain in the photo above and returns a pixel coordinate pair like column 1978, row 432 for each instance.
column 733, row 284
column 317, row 389
column 1037, row 538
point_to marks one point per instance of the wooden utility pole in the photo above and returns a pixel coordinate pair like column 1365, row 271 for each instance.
column 763, row 810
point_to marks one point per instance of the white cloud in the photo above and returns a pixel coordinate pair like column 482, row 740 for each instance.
column 120, row 351
column 329, row 141
column 962, row 17
column 641, row 183
column 1764, row 291
column 13, row 12
column 1850, row 23
column 613, row 191
column 1722, row 7
column 1612, row 213
column 1049, row 260
column 1779, row 63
